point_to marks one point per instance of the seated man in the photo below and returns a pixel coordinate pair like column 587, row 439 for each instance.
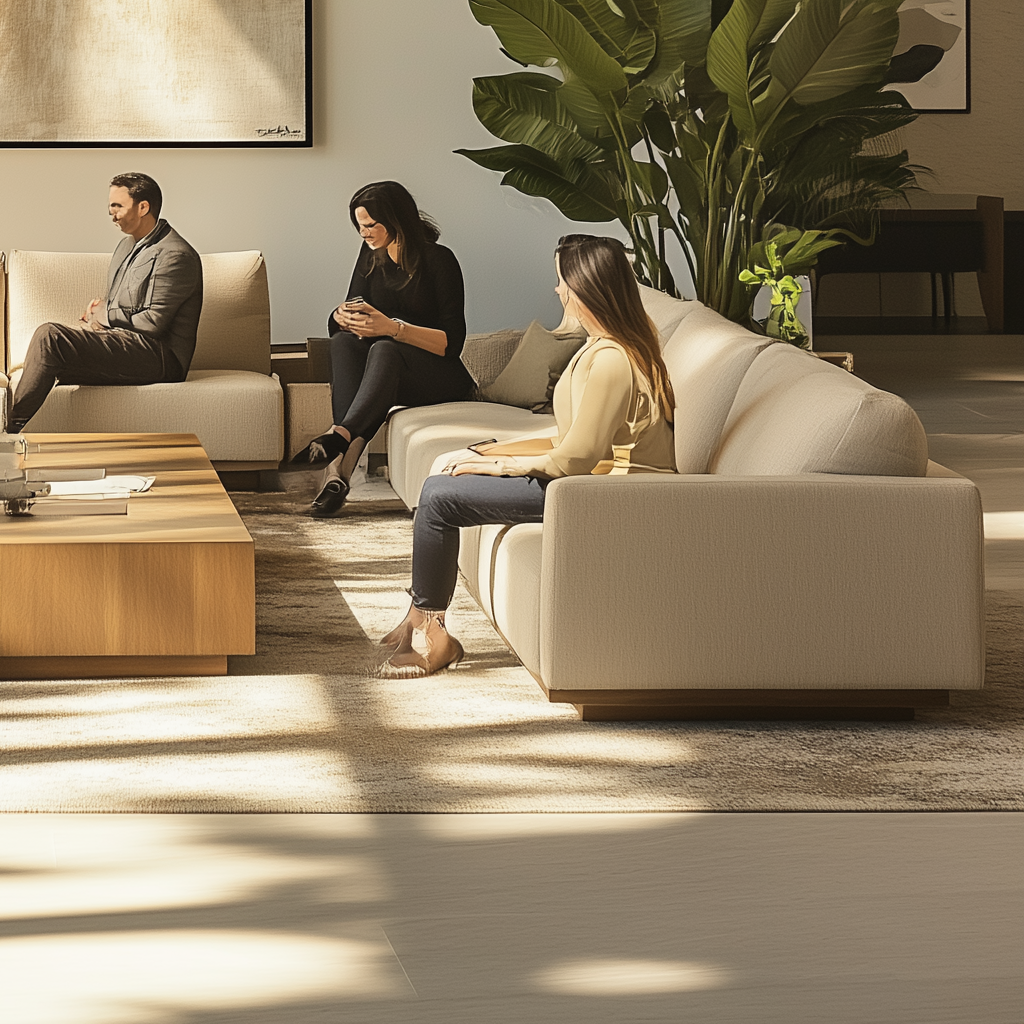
column 145, row 330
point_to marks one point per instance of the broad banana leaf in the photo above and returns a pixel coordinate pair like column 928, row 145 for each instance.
column 745, row 29
column 526, row 108
column 619, row 31
column 542, row 33
column 579, row 191
column 864, row 109
column 831, row 47
column 683, row 28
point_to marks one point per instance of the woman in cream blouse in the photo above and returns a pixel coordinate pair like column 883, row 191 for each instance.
column 613, row 409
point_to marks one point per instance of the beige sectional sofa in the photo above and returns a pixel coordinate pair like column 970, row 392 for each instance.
column 807, row 560
column 230, row 399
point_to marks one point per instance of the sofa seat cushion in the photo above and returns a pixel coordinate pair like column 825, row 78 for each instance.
column 501, row 568
column 797, row 414
column 238, row 415
column 707, row 358
column 417, row 436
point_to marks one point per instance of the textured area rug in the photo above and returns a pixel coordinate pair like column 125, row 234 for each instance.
column 305, row 726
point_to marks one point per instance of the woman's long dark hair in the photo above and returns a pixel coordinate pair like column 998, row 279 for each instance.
column 599, row 275
column 391, row 205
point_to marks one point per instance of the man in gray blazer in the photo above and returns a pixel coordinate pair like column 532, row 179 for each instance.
column 144, row 332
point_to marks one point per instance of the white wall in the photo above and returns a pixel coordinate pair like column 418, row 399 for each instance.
column 392, row 99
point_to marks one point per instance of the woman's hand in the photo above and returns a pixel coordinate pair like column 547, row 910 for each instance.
column 364, row 321
column 478, row 466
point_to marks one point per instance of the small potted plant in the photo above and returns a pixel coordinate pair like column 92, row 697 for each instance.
column 782, row 322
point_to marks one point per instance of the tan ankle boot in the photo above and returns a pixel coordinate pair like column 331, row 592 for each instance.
column 401, row 635
column 429, row 649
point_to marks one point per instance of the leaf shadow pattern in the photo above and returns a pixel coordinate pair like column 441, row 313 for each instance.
column 305, row 724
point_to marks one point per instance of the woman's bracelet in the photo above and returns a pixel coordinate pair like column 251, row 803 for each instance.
column 401, row 327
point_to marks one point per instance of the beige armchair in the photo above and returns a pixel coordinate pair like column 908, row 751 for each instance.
column 230, row 399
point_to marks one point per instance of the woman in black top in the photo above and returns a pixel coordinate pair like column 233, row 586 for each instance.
column 397, row 338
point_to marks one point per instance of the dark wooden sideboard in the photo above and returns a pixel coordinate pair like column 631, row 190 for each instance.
column 941, row 235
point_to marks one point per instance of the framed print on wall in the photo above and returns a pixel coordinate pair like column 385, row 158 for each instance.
column 931, row 64
column 155, row 73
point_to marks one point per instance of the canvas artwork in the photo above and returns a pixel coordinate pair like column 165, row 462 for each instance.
column 155, row 73
column 931, row 62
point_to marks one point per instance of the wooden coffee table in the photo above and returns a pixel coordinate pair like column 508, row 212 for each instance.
column 168, row 589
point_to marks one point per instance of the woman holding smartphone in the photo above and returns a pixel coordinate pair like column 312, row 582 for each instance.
column 397, row 337
column 613, row 410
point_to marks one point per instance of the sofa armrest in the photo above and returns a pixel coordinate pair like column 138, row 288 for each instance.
column 812, row 581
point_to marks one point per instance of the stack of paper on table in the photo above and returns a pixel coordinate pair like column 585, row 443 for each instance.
column 101, row 495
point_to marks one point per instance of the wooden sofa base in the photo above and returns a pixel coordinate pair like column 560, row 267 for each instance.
column 746, row 705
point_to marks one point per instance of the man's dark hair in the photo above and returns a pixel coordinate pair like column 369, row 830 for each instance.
column 140, row 186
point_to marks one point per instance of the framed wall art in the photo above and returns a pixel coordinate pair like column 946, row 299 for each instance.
column 931, row 64
column 156, row 73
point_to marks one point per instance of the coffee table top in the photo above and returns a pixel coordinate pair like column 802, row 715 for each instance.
column 186, row 504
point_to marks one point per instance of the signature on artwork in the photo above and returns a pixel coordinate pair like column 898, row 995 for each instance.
column 281, row 131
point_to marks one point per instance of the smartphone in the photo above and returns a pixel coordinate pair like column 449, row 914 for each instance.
column 357, row 300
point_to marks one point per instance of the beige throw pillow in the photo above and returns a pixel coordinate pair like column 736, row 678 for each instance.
column 530, row 376
column 486, row 355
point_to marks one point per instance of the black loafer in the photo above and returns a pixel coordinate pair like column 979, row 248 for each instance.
column 329, row 501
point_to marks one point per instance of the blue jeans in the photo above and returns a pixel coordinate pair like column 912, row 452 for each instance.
column 448, row 502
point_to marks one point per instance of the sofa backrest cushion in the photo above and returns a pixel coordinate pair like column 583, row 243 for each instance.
column 486, row 355
column 49, row 286
column 234, row 329
column 795, row 413
column 707, row 357
column 666, row 312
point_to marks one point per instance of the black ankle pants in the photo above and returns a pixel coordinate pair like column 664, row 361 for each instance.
column 370, row 375
column 448, row 502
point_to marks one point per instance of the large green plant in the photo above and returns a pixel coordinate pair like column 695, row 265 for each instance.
column 723, row 125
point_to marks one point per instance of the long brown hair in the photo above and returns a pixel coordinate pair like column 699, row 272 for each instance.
column 598, row 273
column 391, row 205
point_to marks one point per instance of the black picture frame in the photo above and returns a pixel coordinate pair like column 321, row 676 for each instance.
column 266, row 132
column 955, row 67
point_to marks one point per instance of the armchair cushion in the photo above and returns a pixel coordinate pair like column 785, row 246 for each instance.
column 486, row 355
column 236, row 414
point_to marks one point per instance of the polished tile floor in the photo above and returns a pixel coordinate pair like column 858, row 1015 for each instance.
column 574, row 919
